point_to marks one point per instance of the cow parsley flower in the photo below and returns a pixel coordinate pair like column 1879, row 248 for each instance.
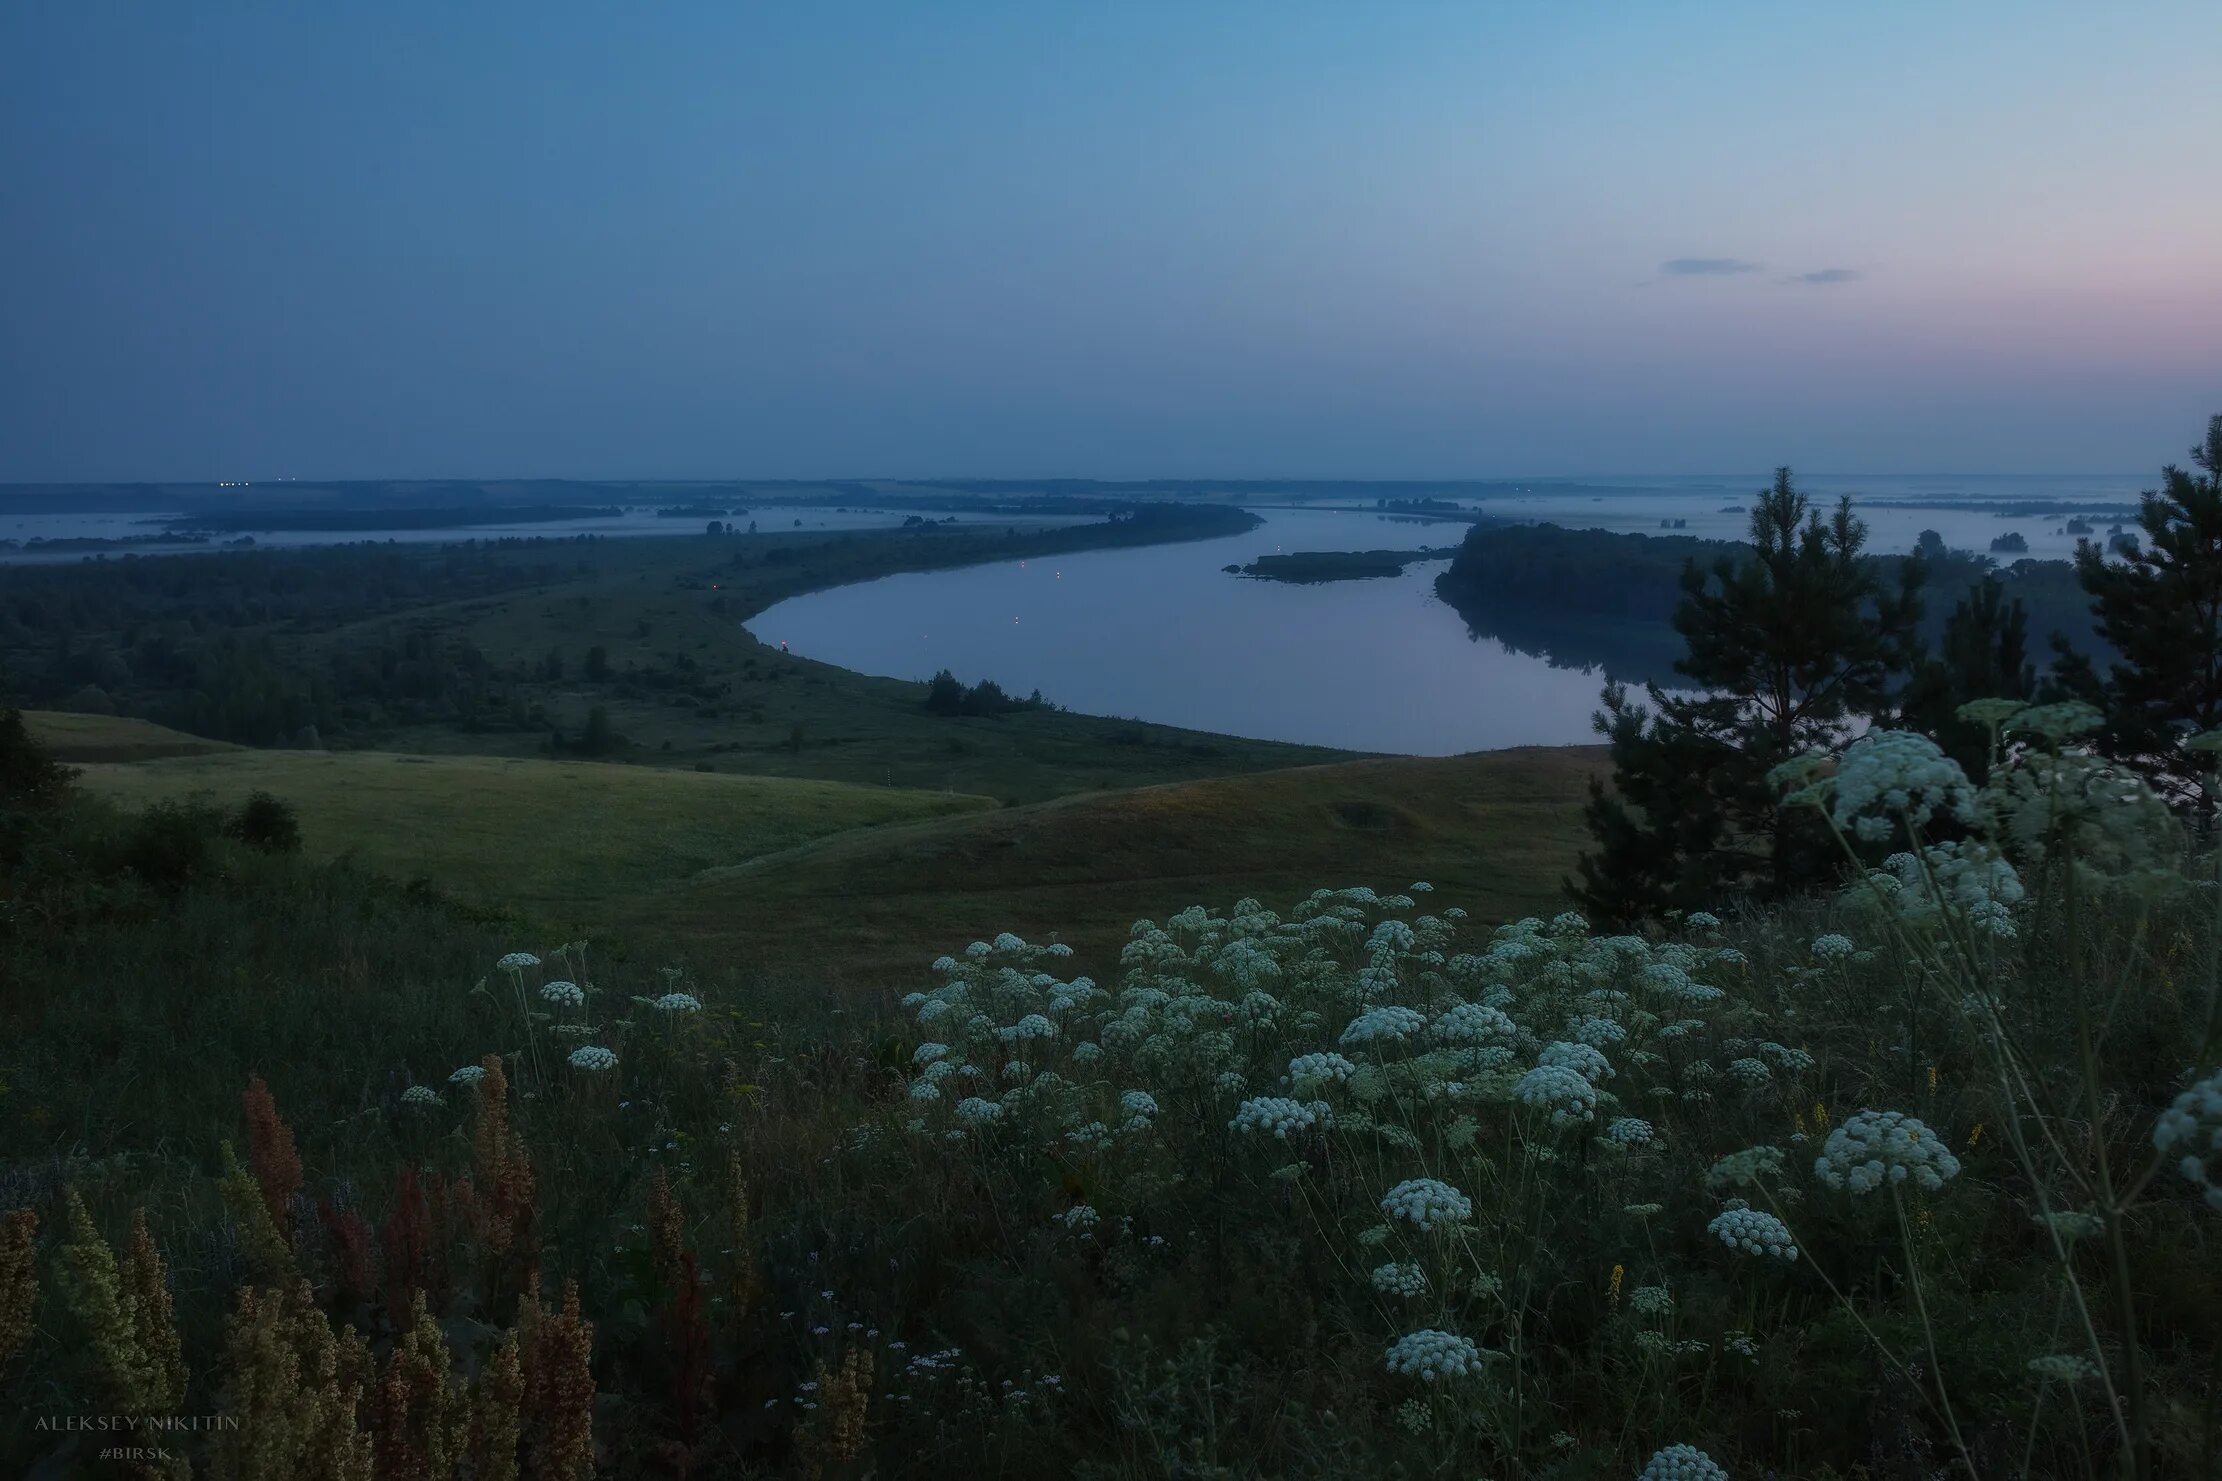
column 1311, row 1072
column 928, row 1052
column 1833, row 946
column 1873, row 1147
column 1399, row 1279
column 563, row 994
column 1471, row 1023
column 2191, row 1129
column 469, row 1074
column 1681, row 1463
column 517, row 961
column 1563, row 1092
column 1702, row 920
column 1629, row 1131
column 1752, row 1072
column 593, row 1057
column 421, row 1098
column 1902, row 773
column 678, row 1002
column 1754, row 1232
column 1276, row 1114
column 1429, row 1354
column 1138, row 1103
column 975, row 1112
column 1426, row 1202
column 1388, row 1025
column 924, row 1089
column 1583, row 1059
column 1032, row 1026
column 1651, row 1300
column 1080, row 1218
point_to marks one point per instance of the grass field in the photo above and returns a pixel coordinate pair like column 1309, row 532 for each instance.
column 690, row 685
column 1494, row 832
column 82, row 738
column 573, row 845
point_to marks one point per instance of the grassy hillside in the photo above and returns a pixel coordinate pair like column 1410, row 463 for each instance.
column 82, row 738
column 1493, row 831
column 570, row 843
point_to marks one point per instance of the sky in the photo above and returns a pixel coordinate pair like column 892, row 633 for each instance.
column 1210, row 238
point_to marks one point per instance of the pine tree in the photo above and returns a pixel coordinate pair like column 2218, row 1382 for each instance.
column 1985, row 655
column 1790, row 645
column 2160, row 607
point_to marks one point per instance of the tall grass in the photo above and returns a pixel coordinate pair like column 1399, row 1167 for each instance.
column 1905, row 1182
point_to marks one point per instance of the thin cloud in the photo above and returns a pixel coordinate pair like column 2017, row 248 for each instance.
column 1826, row 275
column 1706, row 267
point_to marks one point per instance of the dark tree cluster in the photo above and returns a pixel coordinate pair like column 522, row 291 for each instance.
column 946, row 695
column 1795, row 646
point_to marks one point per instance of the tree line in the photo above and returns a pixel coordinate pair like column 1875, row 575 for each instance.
column 1793, row 645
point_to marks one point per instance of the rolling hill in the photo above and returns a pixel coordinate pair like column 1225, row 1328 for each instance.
column 1494, row 831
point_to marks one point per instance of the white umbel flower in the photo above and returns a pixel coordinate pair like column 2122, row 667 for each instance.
column 593, row 1057
column 1563, row 1092
column 563, row 994
column 1833, row 946
column 1681, row 1463
column 1471, row 1023
column 1585, row 1060
column 1753, row 1232
column 1313, row 1071
column 421, row 1098
column 678, row 1002
column 1274, row 1114
column 517, row 961
column 2191, row 1130
column 1900, row 773
column 1875, row 1147
column 1629, row 1131
column 973, row 1111
column 1032, row 1026
column 1388, row 1025
column 1400, row 1279
column 1426, row 1202
column 1429, row 1354
column 469, row 1074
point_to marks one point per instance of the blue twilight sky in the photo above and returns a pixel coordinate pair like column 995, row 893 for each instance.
column 1198, row 238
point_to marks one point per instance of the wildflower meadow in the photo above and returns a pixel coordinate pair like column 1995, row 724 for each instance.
column 1921, row 1178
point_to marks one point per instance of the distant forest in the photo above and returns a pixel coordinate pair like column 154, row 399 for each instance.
column 1591, row 598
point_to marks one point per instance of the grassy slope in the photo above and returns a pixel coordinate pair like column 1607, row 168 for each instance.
column 82, row 738
column 1493, row 831
column 573, row 844
column 651, row 602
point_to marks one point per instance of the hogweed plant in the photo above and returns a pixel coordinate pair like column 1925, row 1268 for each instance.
column 1920, row 1179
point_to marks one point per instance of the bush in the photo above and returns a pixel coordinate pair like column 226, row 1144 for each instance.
column 265, row 823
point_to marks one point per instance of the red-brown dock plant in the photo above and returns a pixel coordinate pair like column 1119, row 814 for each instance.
column 667, row 1237
column 125, row 1314
column 270, row 1152
column 19, row 1281
column 416, row 1242
column 354, row 1264
column 559, row 1389
column 689, row 1337
column 834, row 1433
column 743, row 1285
column 267, row 1252
column 505, row 1185
column 423, row 1418
column 292, row 1393
column 497, row 1404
